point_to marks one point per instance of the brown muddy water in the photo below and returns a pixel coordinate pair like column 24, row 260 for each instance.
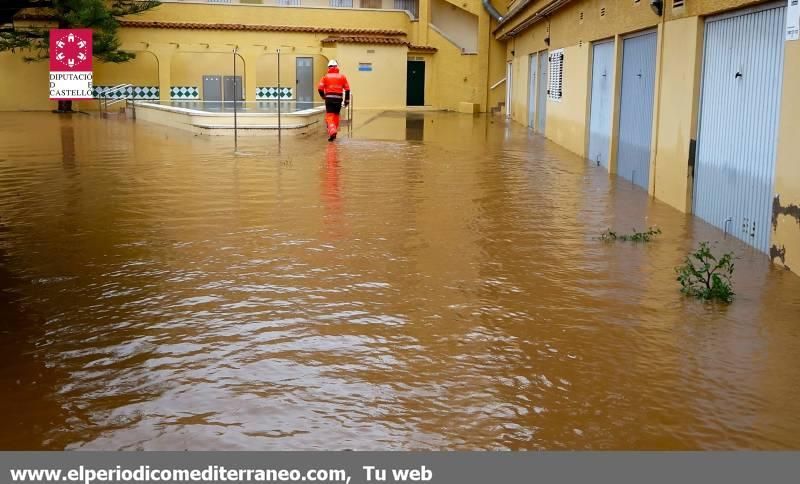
column 432, row 282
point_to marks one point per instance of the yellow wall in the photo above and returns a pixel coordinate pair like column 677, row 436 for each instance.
column 519, row 88
column 677, row 113
column 787, row 169
column 141, row 71
column 188, row 69
column 24, row 86
column 385, row 86
column 566, row 119
column 268, row 15
column 456, row 24
column 456, row 76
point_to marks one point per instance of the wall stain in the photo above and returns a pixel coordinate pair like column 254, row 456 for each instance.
column 776, row 253
column 790, row 210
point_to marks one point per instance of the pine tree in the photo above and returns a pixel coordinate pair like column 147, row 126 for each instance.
column 98, row 15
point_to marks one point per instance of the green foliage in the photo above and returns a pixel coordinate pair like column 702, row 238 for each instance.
column 610, row 236
column 704, row 276
column 98, row 15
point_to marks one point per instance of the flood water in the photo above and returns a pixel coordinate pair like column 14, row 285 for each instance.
column 432, row 282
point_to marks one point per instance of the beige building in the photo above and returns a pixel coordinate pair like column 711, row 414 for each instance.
column 696, row 101
column 432, row 53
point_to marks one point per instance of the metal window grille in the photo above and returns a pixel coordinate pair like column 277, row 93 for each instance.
column 371, row 3
column 555, row 78
column 290, row 3
column 341, row 3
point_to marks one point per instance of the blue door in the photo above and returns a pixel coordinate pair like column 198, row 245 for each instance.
column 636, row 108
column 602, row 95
column 738, row 124
column 533, row 63
column 541, row 101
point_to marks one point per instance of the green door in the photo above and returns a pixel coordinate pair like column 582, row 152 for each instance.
column 415, row 83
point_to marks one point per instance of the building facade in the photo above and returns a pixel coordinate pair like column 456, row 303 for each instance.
column 695, row 101
column 396, row 53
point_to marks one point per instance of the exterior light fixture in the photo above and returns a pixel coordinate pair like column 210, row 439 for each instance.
column 657, row 6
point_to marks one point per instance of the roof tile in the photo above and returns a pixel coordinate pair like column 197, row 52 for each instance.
column 149, row 24
column 366, row 39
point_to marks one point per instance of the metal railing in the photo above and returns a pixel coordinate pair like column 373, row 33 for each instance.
column 350, row 113
column 108, row 97
column 497, row 84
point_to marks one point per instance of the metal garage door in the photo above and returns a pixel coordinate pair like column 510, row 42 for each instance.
column 541, row 101
column 739, row 107
column 304, row 79
column 636, row 108
column 533, row 62
column 602, row 95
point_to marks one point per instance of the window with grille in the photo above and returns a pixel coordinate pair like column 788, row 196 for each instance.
column 371, row 3
column 342, row 3
column 411, row 6
column 555, row 80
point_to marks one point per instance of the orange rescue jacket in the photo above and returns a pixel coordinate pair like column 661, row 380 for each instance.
column 334, row 86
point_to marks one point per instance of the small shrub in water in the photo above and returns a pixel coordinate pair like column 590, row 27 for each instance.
column 706, row 277
column 610, row 236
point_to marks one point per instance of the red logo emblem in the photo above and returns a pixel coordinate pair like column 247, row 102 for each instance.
column 71, row 50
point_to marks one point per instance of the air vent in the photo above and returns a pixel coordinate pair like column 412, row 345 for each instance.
column 678, row 3
column 603, row 12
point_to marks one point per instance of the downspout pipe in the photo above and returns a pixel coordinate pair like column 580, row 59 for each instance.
column 487, row 5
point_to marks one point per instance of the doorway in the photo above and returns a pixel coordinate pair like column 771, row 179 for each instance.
column 738, row 122
column 415, row 83
column 602, row 97
column 304, row 70
column 636, row 108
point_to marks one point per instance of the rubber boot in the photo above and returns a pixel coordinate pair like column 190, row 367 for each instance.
column 330, row 121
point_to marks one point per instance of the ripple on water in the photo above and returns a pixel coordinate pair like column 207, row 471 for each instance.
column 159, row 293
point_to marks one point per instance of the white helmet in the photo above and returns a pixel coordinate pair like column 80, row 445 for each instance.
column 333, row 63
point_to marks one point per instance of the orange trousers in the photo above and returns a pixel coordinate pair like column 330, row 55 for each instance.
column 332, row 122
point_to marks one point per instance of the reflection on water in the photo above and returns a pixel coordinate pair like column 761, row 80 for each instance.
column 157, row 292
column 415, row 126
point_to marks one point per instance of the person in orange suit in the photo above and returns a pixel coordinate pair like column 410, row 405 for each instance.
column 334, row 88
